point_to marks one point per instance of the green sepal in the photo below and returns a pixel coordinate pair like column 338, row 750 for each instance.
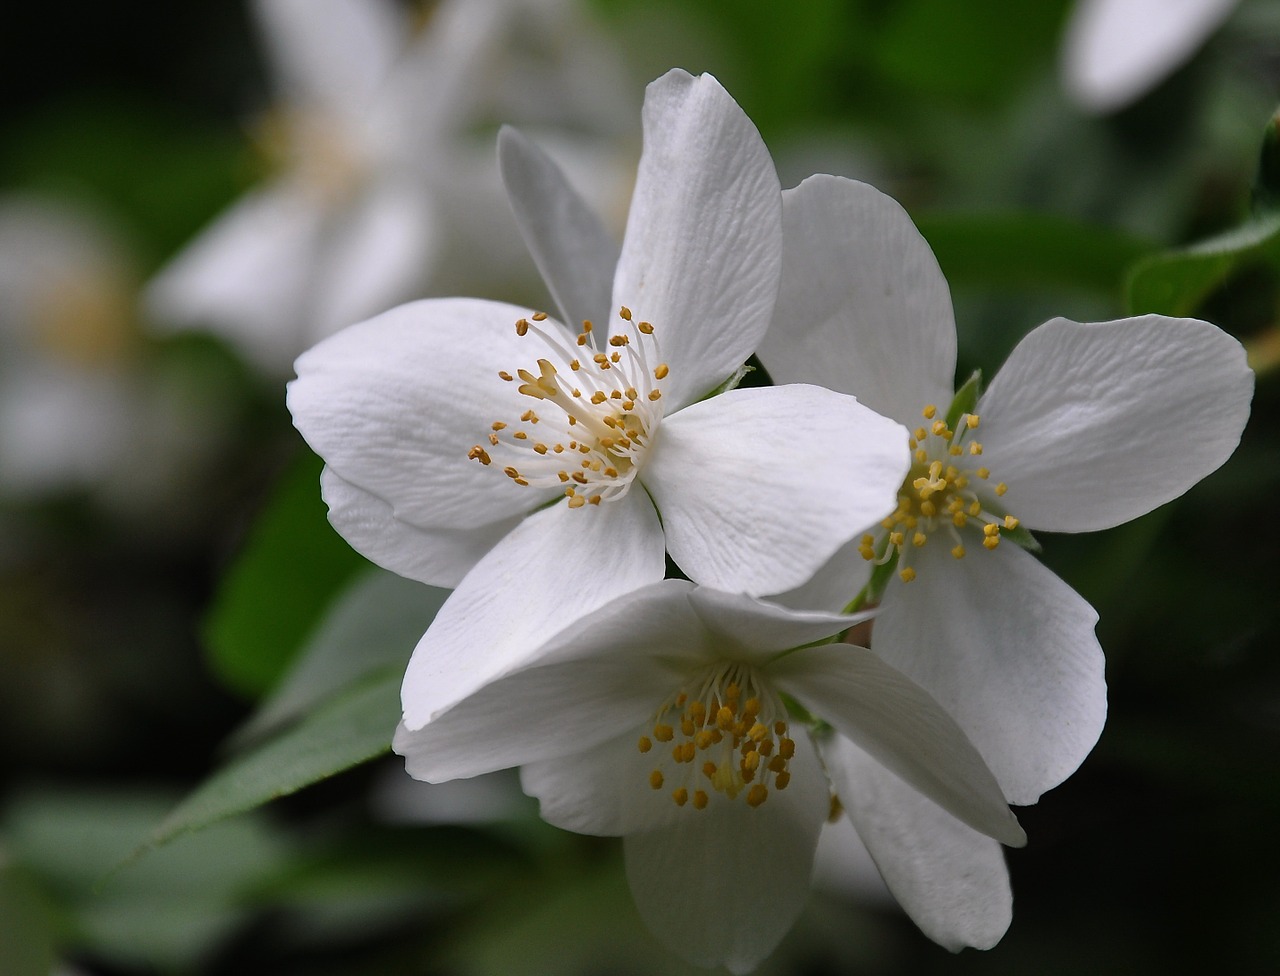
column 965, row 400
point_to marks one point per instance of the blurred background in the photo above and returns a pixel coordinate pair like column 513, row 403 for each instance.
column 191, row 195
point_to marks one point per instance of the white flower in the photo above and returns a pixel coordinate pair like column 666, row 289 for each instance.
column 374, row 163
column 1115, row 51
column 661, row 718
column 1086, row 426
column 553, row 466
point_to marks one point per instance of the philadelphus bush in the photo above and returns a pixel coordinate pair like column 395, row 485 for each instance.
column 547, row 466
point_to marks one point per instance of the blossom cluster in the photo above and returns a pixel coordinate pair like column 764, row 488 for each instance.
column 551, row 466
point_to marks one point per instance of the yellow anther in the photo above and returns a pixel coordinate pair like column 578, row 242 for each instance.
column 786, row 749
column 1001, row 488
column 1010, row 522
column 930, row 412
column 520, row 435
column 955, row 450
column 751, row 760
column 539, row 316
column 959, row 519
column 681, row 796
column 510, row 472
column 975, row 508
column 724, row 717
column 766, row 747
column 498, row 425
column 660, row 371
column 619, row 340
column 615, row 357
column 975, row 448
column 576, row 501
column 663, row 732
column 478, row 453
column 958, row 552
column 644, row 745
column 697, row 711
column 700, row 799
column 972, row 421
column 991, row 541
column 777, row 764
column 896, row 538
column 921, row 456
column 655, row 394
column 984, row 473
column 757, row 795
column 907, row 574
column 522, row 327
column 625, row 313
column 598, row 397
column 504, row 375
column 655, row 779
column 646, row 328
column 703, row 739
column 990, row 529
column 582, row 339
column 709, row 769
column 928, row 509
column 686, row 726
column 779, row 727
column 615, row 395
column 781, row 780
column 920, row 434
column 919, row 539
column 587, row 326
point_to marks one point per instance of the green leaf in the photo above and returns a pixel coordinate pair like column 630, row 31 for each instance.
column 162, row 914
column 26, row 928
column 1030, row 251
column 373, row 626
column 1177, row 282
column 349, row 729
column 287, row 574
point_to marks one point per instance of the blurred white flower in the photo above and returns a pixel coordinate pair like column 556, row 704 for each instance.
column 386, row 185
column 1115, row 51
column 661, row 718
column 1086, row 426
column 557, row 487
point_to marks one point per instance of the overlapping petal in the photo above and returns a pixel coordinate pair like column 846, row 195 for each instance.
column 863, row 307
column 908, row 732
column 1009, row 650
column 574, row 252
column 949, row 878
column 438, row 556
column 759, row 487
column 555, row 567
column 1092, row 425
column 394, row 404
column 701, row 256
column 722, row 886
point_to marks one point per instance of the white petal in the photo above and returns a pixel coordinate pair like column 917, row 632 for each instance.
column 949, row 878
column 247, row 275
column 1116, row 50
column 379, row 256
column 604, row 790
column 1009, row 650
column 331, row 53
column 832, row 587
column 896, row 721
column 863, row 307
column 542, row 713
column 1093, row 425
column 439, row 556
column 758, row 628
column 759, row 487
column 394, row 404
column 702, row 252
column 722, row 886
column 558, row 565
column 574, row 253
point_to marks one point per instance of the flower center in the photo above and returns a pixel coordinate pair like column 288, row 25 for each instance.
column 724, row 735
column 944, row 492
column 599, row 412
